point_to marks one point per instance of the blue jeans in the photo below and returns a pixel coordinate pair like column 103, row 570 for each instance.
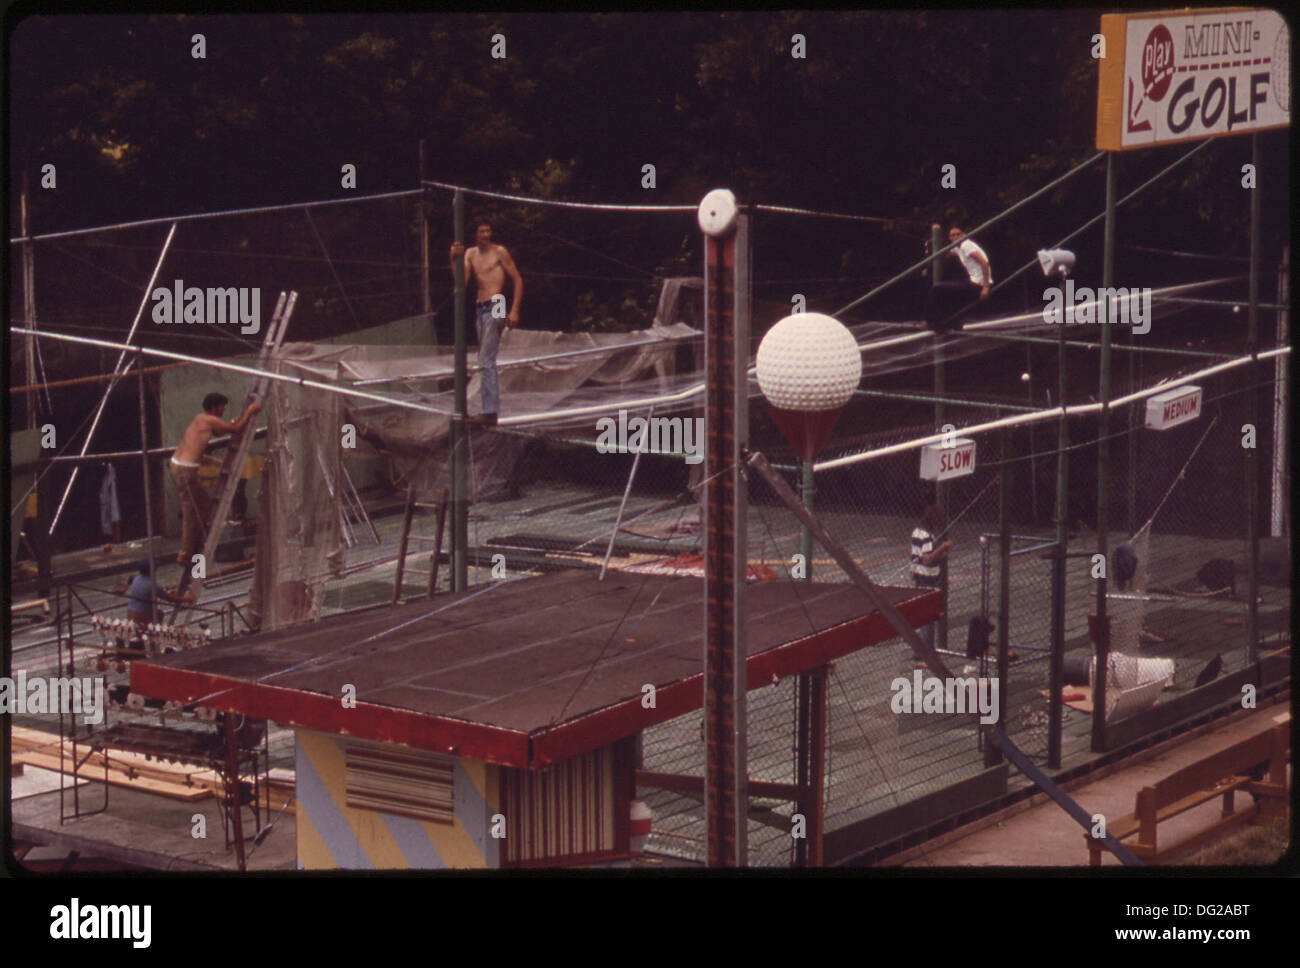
column 926, row 632
column 489, row 341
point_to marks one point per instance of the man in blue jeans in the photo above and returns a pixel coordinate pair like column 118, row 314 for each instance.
column 489, row 264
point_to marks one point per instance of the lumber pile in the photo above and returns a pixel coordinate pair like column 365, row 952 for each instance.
column 136, row 771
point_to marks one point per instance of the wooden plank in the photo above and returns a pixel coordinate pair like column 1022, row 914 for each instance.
column 95, row 773
column 1207, row 772
column 141, row 764
column 128, row 763
column 1183, row 804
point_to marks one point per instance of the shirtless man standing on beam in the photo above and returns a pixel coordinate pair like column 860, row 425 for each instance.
column 196, row 505
column 489, row 264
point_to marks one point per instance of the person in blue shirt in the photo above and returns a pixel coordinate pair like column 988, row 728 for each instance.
column 142, row 594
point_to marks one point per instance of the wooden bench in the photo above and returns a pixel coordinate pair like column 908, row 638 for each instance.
column 1220, row 774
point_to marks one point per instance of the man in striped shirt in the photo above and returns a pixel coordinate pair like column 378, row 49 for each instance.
column 927, row 557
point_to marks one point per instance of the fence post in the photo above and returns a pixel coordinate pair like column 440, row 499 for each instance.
column 940, row 415
column 1103, row 459
column 1058, row 563
column 993, row 752
column 459, row 432
column 1252, row 416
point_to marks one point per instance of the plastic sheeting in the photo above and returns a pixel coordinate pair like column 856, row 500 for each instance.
column 301, row 534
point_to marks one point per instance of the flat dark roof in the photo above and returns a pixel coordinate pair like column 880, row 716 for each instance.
column 524, row 674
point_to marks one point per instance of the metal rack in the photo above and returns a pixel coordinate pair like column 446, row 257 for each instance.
column 232, row 751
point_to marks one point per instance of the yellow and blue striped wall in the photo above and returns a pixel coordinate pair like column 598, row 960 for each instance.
column 332, row 835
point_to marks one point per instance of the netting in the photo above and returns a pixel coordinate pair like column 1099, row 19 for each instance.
column 599, row 344
column 300, row 540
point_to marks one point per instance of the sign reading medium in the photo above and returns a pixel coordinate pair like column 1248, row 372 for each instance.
column 1173, row 407
column 1182, row 76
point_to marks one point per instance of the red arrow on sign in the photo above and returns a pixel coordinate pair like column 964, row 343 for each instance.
column 1133, row 109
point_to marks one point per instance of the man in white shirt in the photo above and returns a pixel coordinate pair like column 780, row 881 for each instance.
column 947, row 301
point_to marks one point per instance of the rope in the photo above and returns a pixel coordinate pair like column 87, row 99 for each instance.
column 356, row 323
column 202, row 215
column 790, row 210
column 1186, row 464
column 600, row 206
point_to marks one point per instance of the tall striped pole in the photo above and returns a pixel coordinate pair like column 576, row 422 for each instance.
column 726, row 421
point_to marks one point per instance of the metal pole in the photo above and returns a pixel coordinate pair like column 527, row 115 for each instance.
column 117, row 371
column 936, row 243
column 426, row 282
column 1033, row 461
column 1004, row 585
column 804, row 688
column 807, row 489
column 940, row 415
column 741, row 279
column 1280, row 492
column 1103, row 453
column 29, row 304
column 817, row 768
column 1058, row 566
column 43, row 540
column 148, row 490
column 941, row 494
column 232, row 788
column 459, row 469
column 726, row 423
column 802, row 750
column 1252, row 413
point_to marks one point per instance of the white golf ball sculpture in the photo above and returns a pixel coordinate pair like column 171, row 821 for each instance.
column 809, row 362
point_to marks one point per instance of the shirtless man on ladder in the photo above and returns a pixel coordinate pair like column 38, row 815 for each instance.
column 196, row 505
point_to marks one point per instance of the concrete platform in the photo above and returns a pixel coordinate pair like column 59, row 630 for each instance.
column 143, row 830
column 1041, row 834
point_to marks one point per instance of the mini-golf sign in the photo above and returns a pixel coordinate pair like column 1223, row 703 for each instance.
column 938, row 463
column 1173, row 407
column 1183, row 75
